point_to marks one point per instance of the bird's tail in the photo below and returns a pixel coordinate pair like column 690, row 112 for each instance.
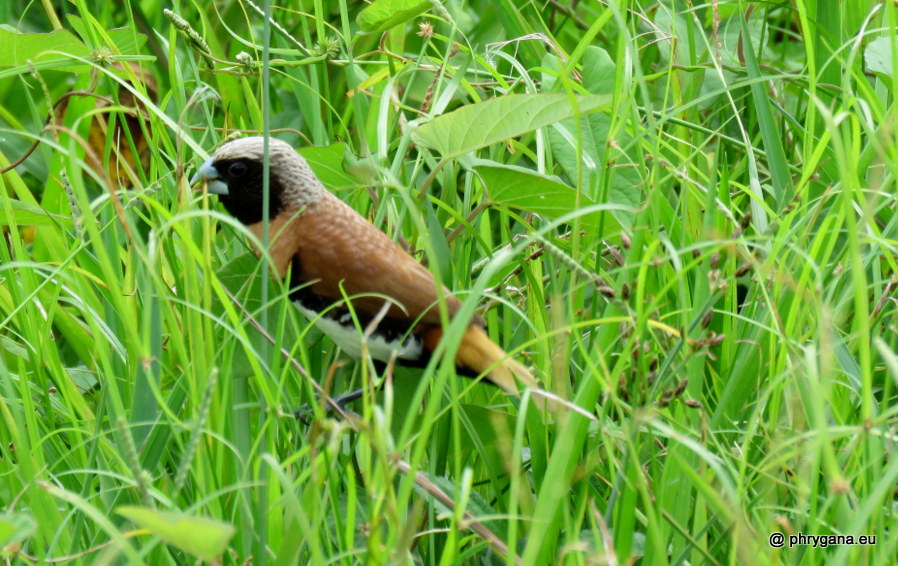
column 480, row 354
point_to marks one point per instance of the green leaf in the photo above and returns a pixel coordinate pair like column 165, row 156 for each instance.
column 672, row 25
column 57, row 49
column 242, row 277
column 878, row 56
column 481, row 433
column 771, row 133
column 516, row 187
column 329, row 165
column 384, row 14
column 495, row 120
column 16, row 49
column 477, row 507
column 599, row 71
column 587, row 166
column 14, row 529
column 25, row 214
column 12, row 347
column 200, row 536
column 125, row 40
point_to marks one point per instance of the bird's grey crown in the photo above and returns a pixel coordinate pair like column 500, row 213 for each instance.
column 289, row 171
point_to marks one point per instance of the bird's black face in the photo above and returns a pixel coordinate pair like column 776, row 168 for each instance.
column 238, row 184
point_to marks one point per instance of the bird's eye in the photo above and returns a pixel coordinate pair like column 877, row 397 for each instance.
column 237, row 169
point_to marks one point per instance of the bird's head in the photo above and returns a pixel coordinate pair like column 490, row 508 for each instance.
column 234, row 173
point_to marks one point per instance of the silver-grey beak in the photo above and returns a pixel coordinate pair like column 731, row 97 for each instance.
column 208, row 173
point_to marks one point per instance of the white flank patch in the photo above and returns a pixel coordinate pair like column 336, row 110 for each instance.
column 350, row 341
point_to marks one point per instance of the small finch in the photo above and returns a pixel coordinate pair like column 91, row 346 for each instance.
column 324, row 246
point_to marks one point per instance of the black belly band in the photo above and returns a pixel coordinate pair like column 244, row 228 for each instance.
column 389, row 328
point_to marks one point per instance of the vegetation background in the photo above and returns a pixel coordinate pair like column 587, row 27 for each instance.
column 681, row 215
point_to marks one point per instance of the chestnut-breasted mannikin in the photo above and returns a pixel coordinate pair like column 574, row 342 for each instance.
column 329, row 252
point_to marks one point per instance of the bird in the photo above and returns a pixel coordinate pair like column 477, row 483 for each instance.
column 327, row 251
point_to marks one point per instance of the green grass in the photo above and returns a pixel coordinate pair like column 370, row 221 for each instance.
column 682, row 217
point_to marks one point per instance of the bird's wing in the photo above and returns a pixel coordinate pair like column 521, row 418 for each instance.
column 331, row 244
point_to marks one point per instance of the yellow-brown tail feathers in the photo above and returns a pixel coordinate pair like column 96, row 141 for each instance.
column 479, row 354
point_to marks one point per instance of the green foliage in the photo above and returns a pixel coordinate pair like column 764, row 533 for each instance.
column 200, row 536
column 680, row 216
